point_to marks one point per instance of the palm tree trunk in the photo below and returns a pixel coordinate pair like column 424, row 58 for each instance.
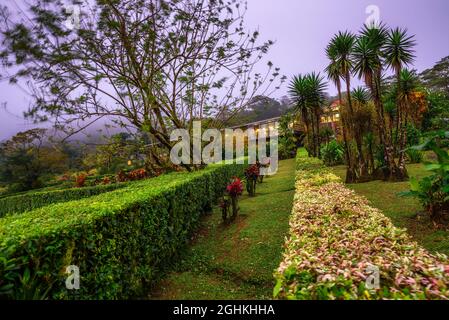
column 390, row 171
column 357, row 135
column 402, row 170
column 350, row 176
column 318, row 138
column 308, row 134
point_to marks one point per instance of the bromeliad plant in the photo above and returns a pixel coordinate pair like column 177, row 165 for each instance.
column 251, row 175
column 433, row 191
column 234, row 190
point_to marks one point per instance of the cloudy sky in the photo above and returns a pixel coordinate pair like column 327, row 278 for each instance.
column 302, row 29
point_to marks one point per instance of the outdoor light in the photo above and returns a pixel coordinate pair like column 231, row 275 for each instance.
column 130, row 162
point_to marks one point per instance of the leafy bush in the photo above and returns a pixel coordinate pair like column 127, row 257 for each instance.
column 433, row 191
column 33, row 200
column 336, row 238
column 287, row 145
column 415, row 156
column 121, row 241
column 413, row 135
column 332, row 153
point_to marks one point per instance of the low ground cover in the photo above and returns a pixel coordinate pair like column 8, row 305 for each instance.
column 336, row 238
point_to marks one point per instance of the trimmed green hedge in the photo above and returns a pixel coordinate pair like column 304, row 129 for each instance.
column 337, row 239
column 33, row 200
column 121, row 241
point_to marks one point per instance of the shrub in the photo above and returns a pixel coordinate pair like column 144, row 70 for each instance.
column 433, row 191
column 138, row 174
column 121, row 241
column 121, row 176
column 80, row 180
column 251, row 175
column 336, row 238
column 415, row 156
column 33, row 200
column 332, row 153
column 235, row 190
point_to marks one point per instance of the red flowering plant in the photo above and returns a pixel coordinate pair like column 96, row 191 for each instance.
column 80, row 180
column 138, row 174
column 233, row 190
column 251, row 175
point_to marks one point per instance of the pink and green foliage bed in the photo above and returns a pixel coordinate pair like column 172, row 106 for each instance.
column 335, row 235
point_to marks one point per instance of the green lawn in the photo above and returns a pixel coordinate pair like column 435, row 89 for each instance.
column 405, row 212
column 237, row 261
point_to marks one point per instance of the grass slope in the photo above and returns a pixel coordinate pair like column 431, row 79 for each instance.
column 236, row 261
column 403, row 211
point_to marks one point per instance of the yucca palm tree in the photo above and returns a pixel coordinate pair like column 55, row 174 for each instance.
column 366, row 61
column 398, row 52
column 406, row 88
column 371, row 41
column 339, row 52
column 316, row 96
column 362, row 121
column 360, row 95
column 343, row 46
column 333, row 71
column 308, row 92
column 369, row 59
column 391, row 112
column 298, row 92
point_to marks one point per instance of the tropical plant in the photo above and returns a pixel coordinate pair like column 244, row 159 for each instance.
column 333, row 71
column 367, row 55
column 406, row 88
column 299, row 94
column 332, row 153
column 433, row 191
column 251, row 175
column 287, row 144
column 326, row 134
column 234, row 190
column 308, row 93
column 414, row 156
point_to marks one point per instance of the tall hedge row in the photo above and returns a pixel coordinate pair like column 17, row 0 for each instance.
column 33, row 200
column 121, row 240
column 339, row 246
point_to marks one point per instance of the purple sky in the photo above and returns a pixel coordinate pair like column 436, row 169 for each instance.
column 302, row 29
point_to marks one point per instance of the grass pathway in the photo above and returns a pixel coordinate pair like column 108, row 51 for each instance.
column 237, row 261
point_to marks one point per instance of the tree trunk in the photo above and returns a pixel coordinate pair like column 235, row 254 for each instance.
column 402, row 170
column 318, row 138
column 235, row 207
column 350, row 175
column 390, row 171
